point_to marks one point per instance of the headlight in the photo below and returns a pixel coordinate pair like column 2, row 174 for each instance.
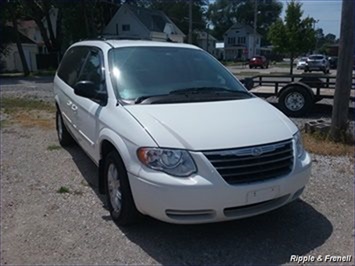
column 299, row 145
column 173, row 162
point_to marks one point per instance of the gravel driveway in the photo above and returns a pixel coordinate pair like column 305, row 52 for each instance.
column 39, row 225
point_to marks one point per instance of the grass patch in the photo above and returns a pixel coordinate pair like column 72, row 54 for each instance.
column 3, row 123
column 30, row 119
column 11, row 105
column 318, row 144
column 284, row 65
column 29, row 112
column 48, row 72
column 63, row 190
column 249, row 73
column 53, row 147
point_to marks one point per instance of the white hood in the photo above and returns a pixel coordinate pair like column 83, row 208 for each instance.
column 213, row 125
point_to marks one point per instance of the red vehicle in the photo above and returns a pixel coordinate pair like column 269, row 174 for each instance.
column 258, row 61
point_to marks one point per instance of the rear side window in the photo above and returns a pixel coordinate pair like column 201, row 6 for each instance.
column 70, row 66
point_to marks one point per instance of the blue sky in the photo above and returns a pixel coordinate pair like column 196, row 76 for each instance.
column 328, row 12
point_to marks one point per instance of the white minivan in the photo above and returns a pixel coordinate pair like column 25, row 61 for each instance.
column 175, row 135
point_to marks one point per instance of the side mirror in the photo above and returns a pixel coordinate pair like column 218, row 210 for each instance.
column 90, row 90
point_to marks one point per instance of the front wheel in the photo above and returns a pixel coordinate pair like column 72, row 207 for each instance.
column 118, row 191
column 295, row 101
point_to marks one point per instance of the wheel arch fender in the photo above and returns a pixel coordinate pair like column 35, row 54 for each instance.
column 56, row 101
column 108, row 140
column 304, row 86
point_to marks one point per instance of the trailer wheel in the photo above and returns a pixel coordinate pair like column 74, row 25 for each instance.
column 295, row 101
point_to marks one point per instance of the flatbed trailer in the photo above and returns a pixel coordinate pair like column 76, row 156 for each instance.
column 296, row 93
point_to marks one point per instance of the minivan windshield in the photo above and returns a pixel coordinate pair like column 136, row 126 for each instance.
column 139, row 73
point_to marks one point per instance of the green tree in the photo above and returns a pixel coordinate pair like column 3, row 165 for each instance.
column 330, row 38
column 39, row 11
column 178, row 12
column 84, row 19
column 294, row 35
column 224, row 13
column 5, row 36
column 11, row 11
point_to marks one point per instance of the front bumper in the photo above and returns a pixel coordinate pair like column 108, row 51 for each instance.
column 206, row 197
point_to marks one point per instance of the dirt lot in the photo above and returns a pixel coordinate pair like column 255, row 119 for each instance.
column 52, row 213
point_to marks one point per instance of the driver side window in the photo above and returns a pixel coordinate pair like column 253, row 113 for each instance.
column 92, row 70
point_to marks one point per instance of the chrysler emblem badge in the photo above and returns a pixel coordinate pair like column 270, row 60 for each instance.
column 256, row 151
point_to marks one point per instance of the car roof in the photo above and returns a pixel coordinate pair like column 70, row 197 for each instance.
column 134, row 43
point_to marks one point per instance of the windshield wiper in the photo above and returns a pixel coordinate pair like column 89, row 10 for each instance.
column 179, row 95
column 141, row 99
column 208, row 90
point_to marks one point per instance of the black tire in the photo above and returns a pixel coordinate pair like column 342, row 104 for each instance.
column 250, row 67
column 64, row 137
column 295, row 101
column 127, row 212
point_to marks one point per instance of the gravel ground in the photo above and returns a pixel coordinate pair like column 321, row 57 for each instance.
column 41, row 226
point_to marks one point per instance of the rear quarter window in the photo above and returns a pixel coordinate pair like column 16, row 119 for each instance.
column 71, row 64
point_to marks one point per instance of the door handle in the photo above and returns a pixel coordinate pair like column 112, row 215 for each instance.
column 74, row 107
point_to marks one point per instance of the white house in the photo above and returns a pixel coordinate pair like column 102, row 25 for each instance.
column 11, row 62
column 142, row 23
column 239, row 42
column 206, row 41
column 30, row 29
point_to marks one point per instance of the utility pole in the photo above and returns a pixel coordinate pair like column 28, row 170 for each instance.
column 255, row 24
column 344, row 72
column 190, row 21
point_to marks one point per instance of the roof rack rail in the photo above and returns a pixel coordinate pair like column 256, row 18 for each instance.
column 114, row 37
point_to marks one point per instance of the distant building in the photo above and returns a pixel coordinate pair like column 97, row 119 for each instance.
column 220, row 51
column 142, row 23
column 30, row 29
column 206, row 41
column 11, row 62
column 239, row 42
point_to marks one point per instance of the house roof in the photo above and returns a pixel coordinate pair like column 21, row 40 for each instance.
column 154, row 20
column 203, row 35
column 10, row 34
column 249, row 29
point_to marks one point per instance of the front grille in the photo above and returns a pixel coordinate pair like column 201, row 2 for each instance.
column 253, row 164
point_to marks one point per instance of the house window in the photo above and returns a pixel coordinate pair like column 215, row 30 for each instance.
column 241, row 40
column 231, row 40
column 126, row 27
